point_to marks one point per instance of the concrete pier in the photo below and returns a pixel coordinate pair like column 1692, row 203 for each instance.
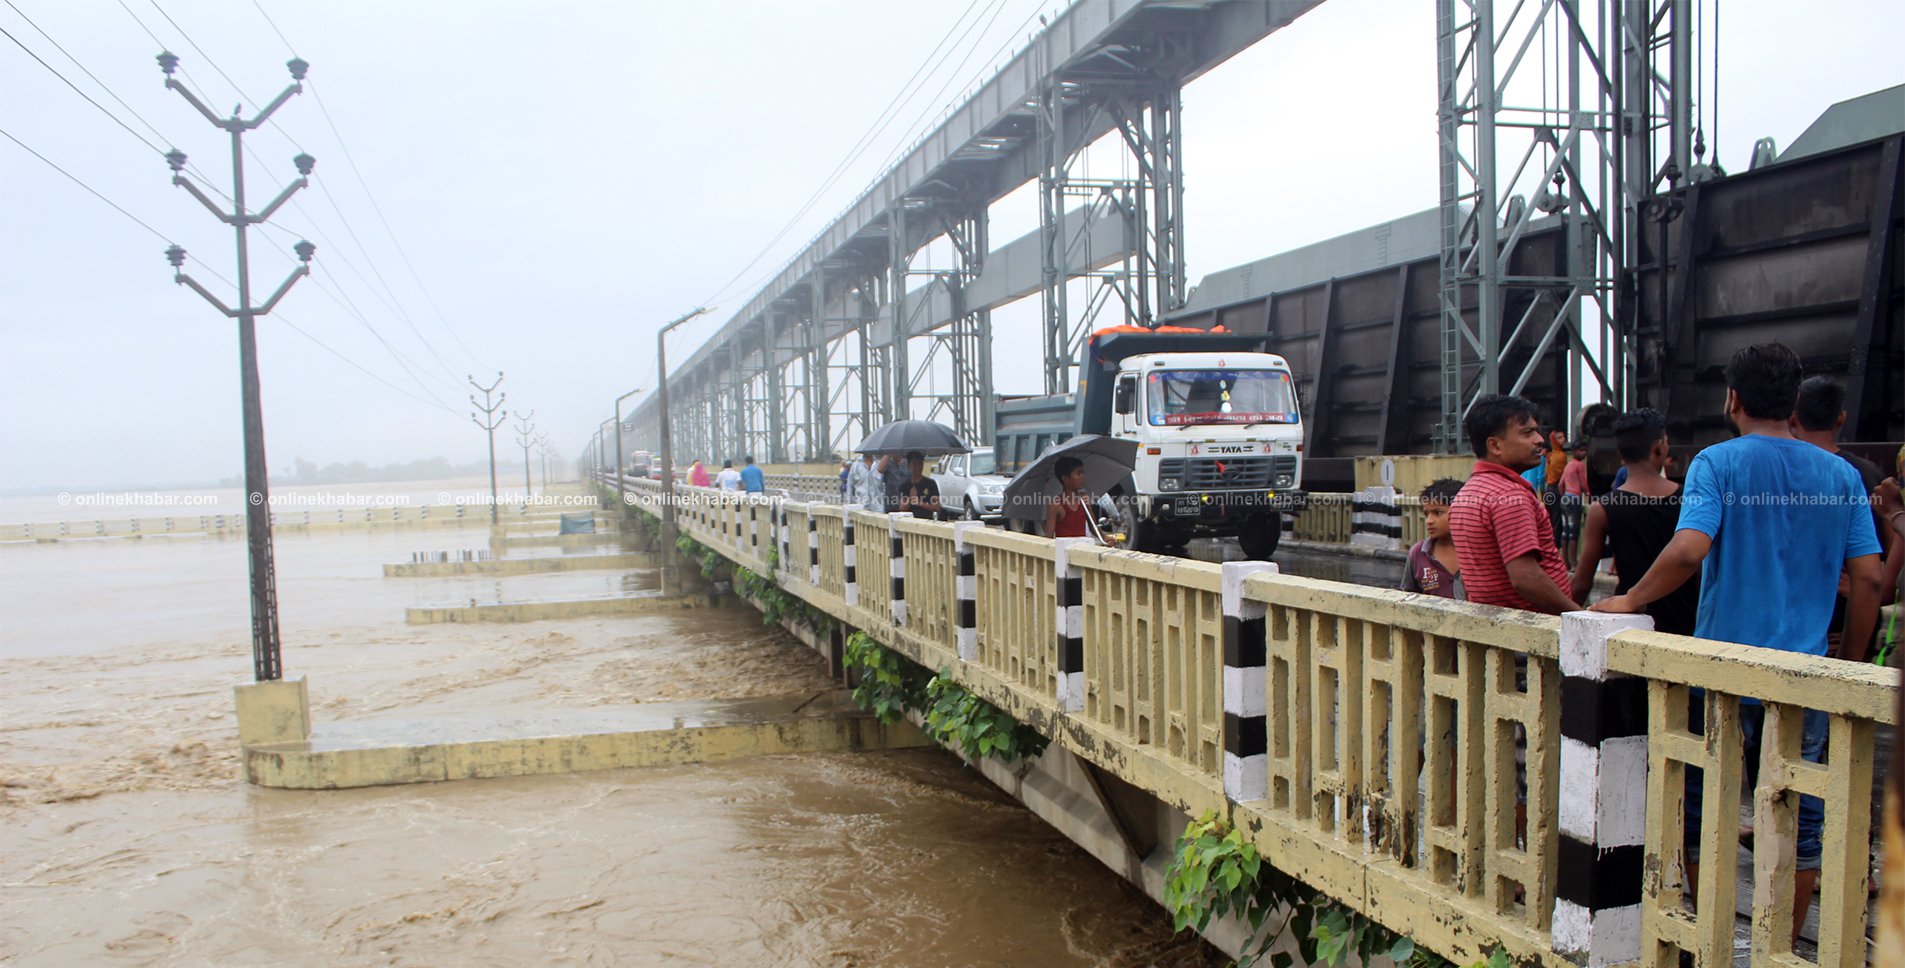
column 540, row 611
column 639, row 735
column 499, row 567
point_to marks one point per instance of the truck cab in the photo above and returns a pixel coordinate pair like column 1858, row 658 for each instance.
column 1220, row 445
column 1216, row 420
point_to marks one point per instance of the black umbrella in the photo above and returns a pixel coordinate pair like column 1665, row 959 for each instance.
column 925, row 436
column 1107, row 461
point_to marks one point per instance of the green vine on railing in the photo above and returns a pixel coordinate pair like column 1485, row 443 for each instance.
column 777, row 604
column 889, row 683
column 954, row 714
column 1216, row 872
column 714, row 566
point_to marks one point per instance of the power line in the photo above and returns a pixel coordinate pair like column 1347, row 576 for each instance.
column 214, row 273
column 880, row 123
column 89, row 100
column 395, row 303
column 401, row 314
column 95, row 79
column 394, row 241
column 360, row 368
column 221, row 72
column 76, row 180
column 351, row 159
column 201, row 52
column 888, row 117
column 274, row 27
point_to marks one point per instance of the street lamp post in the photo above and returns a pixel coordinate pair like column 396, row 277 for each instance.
column 671, row 572
column 602, row 446
column 621, row 492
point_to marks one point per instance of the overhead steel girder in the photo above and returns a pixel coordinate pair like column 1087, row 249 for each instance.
column 990, row 139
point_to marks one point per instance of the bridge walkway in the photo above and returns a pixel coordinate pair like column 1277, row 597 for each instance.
column 1366, row 738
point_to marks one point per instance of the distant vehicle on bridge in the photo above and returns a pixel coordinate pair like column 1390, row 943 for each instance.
column 970, row 485
column 1216, row 419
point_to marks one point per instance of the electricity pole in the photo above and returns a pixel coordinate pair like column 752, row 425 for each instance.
column 266, row 652
column 525, row 437
column 542, row 451
column 494, row 412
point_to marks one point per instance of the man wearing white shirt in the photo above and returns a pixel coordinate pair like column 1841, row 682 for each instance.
column 729, row 479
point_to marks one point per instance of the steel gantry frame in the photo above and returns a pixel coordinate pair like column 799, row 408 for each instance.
column 853, row 332
column 1609, row 124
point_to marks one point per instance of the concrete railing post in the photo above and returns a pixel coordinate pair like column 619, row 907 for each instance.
column 1603, row 795
column 966, row 593
column 896, row 564
column 1246, row 726
column 1069, row 583
column 849, row 558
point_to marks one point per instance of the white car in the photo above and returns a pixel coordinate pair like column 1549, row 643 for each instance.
column 968, row 487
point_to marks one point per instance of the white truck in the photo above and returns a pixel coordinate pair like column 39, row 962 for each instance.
column 1219, row 433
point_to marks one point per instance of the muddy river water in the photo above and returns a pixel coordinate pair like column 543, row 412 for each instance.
column 126, row 836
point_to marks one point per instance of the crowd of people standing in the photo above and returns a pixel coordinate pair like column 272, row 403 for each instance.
column 1776, row 538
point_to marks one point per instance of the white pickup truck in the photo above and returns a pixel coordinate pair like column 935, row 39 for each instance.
column 969, row 487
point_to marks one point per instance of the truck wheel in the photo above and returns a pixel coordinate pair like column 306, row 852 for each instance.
column 1260, row 535
column 1139, row 534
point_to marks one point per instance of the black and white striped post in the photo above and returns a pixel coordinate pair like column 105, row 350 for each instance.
column 813, row 545
column 782, row 540
column 849, row 557
column 1375, row 518
column 1246, row 726
column 896, row 564
column 1603, row 795
column 1070, row 625
column 966, row 593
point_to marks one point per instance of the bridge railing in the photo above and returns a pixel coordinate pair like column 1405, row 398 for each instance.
column 1015, row 601
column 1153, row 652
column 1473, row 776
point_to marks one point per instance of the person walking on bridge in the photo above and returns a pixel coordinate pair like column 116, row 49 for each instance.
column 729, row 479
column 698, row 475
column 1504, row 538
column 1769, row 522
column 865, row 487
column 752, row 480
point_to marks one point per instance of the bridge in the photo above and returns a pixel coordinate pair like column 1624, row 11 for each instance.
column 1365, row 740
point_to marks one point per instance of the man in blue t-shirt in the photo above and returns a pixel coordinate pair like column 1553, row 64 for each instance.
column 1769, row 521
column 752, row 480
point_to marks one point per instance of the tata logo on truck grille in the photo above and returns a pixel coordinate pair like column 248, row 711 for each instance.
column 1197, row 449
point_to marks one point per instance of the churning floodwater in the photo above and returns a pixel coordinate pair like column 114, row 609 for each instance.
column 130, row 839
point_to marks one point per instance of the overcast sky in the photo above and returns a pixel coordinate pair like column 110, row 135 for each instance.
column 563, row 177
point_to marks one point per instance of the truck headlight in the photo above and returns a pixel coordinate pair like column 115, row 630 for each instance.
column 1285, row 480
column 1168, row 484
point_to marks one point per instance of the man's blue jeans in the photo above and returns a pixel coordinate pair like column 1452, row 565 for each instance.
column 1812, row 748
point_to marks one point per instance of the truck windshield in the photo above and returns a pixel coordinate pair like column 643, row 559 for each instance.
column 981, row 464
column 1183, row 397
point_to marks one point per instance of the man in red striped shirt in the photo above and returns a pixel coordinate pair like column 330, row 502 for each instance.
column 1503, row 537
